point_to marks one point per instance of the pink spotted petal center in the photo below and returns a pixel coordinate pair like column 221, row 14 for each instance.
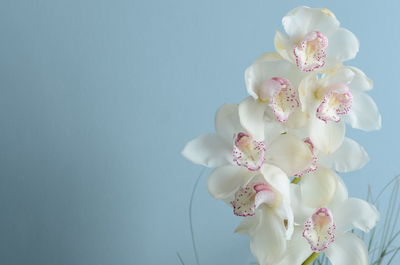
column 313, row 165
column 282, row 97
column 337, row 101
column 310, row 53
column 248, row 152
column 319, row 230
column 248, row 198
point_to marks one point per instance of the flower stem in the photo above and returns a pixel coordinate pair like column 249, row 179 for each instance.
column 296, row 180
column 311, row 258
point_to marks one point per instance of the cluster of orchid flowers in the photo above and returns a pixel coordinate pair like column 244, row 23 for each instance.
column 276, row 154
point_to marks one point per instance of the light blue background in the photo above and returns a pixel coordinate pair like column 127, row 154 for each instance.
column 97, row 98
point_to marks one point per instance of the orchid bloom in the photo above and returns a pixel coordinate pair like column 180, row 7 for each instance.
column 336, row 98
column 348, row 157
column 266, row 199
column 321, row 203
column 235, row 152
column 315, row 40
column 272, row 84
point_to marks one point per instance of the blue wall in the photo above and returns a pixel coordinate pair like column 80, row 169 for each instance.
column 97, row 98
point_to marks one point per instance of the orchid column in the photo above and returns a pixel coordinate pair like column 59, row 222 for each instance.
column 277, row 153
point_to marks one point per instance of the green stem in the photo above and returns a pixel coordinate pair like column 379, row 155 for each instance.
column 311, row 258
column 296, row 180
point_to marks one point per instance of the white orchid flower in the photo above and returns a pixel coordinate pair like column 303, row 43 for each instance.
column 336, row 98
column 272, row 84
column 315, row 39
column 321, row 202
column 235, row 152
column 268, row 196
column 350, row 156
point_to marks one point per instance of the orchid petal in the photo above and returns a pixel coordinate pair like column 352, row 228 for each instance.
column 307, row 89
column 349, row 157
column 248, row 152
column 310, row 53
column 319, row 230
column 268, row 242
column 283, row 46
column 227, row 122
column 251, row 113
column 343, row 75
column 290, row 154
column 355, row 213
column 364, row 113
column 340, row 195
column 301, row 20
column 297, row 249
column 301, row 211
column 318, row 187
column 277, row 179
column 326, row 136
column 261, row 71
column 272, row 130
column 224, row 181
column 347, row 249
column 247, row 224
column 360, row 81
column 343, row 45
column 209, row 150
column 268, row 57
column 250, row 197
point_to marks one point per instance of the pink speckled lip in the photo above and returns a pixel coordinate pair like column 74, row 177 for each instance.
column 248, row 152
column 248, row 198
column 318, row 43
column 283, row 97
column 319, row 230
column 313, row 165
column 332, row 112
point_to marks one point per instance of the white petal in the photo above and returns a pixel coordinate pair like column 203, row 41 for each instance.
column 285, row 211
column 348, row 249
column 290, row 154
column 280, row 182
column 224, row 181
column 318, row 187
column 251, row 114
column 301, row 20
column 349, row 157
column 326, row 136
column 283, row 46
column 272, row 130
column 360, row 81
column 227, row 121
column 298, row 249
column 247, row 224
column 343, row 45
column 209, row 150
column 355, row 213
column 364, row 113
column 261, row 71
column 276, row 178
column 268, row 57
column 307, row 88
column 341, row 194
column 268, row 242
column 342, row 75
column 297, row 119
column 301, row 211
